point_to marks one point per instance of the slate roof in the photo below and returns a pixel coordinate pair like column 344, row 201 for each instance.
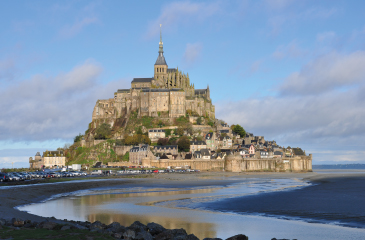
column 156, row 130
column 135, row 80
column 165, row 147
column 160, row 90
column 123, row 90
column 200, row 91
column 209, row 136
column 205, row 152
column 160, row 60
column 164, row 157
column 171, row 70
column 197, row 143
column 224, row 131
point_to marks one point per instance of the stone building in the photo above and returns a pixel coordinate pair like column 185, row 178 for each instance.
column 155, row 134
column 137, row 153
column 168, row 93
column 197, row 146
column 37, row 162
column 172, row 149
column 54, row 159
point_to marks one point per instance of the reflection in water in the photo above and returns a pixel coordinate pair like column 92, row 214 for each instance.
column 177, row 208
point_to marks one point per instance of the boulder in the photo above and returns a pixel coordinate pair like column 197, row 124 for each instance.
column 212, row 239
column 176, row 234
column 155, row 228
column 138, row 227
column 238, row 237
column 129, row 234
column 118, row 235
column 66, row 227
column 49, row 225
column 192, row 237
column 144, row 236
column 115, row 225
column 16, row 222
column 97, row 225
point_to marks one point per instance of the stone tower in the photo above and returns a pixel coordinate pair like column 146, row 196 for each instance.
column 160, row 71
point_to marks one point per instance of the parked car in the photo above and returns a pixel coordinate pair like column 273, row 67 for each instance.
column 13, row 177
column 4, row 177
column 97, row 172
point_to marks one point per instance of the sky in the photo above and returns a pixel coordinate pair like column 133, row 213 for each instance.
column 291, row 71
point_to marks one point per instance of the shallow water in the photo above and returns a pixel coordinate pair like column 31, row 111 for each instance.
column 179, row 208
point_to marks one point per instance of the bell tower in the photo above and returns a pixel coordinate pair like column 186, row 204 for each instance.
column 160, row 71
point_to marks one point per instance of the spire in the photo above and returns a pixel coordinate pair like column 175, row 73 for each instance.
column 161, row 59
column 160, row 49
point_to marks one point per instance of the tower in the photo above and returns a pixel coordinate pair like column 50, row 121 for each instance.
column 160, row 71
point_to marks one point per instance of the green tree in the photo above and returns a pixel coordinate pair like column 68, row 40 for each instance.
column 199, row 121
column 163, row 141
column 211, row 123
column 103, row 131
column 184, row 144
column 78, row 138
column 239, row 130
column 179, row 131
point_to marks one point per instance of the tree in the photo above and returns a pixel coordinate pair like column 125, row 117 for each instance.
column 239, row 130
column 211, row 123
column 163, row 141
column 78, row 137
column 173, row 141
column 179, row 131
column 199, row 121
column 184, row 144
column 103, row 131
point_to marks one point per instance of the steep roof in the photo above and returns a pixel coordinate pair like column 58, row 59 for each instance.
column 160, row 60
column 142, row 80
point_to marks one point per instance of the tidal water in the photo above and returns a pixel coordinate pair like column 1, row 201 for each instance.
column 182, row 208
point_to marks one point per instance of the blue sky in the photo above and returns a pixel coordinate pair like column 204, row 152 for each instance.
column 292, row 71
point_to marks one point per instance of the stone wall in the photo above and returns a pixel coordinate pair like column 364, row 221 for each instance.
column 122, row 150
column 237, row 164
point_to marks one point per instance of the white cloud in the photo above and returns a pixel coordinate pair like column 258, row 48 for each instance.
column 325, row 73
column 175, row 13
column 192, row 53
column 57, row 107
column 76, row 27
column 7, row 69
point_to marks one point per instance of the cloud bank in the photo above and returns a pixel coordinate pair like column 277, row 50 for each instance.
column 52, row 107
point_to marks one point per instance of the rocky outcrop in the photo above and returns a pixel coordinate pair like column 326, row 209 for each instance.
column 136, row 231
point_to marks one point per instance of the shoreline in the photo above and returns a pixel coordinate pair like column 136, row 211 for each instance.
column 20, row 195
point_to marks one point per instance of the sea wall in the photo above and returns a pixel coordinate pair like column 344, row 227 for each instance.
column 237, row 164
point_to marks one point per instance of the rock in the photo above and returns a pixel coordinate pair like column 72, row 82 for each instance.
column 121, row 229
column 155, row 228
column 176, row 234
column 16, row 222
column 28, row 225
column 144, row 236
column 49, row 225
column 238, row 237
column 2, row 221
column 129, row 234
column 118, row 235
column 108, row 231
column 66, row 227
column 1, row 227
column 79, row 227
column 115, row 225
column 97, row 225
column 138, row 227
column 192, row 237
column 212, row 239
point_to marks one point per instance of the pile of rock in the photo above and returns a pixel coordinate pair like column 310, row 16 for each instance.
column 136, row 231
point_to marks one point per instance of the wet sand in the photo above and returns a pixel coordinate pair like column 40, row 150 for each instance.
column 14, row 196
column 331, row 198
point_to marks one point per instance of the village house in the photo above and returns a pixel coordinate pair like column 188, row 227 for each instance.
column 172, row 149
column 54, row 159
column 155, row 134
column 137, row 153
column 197, row 145
column 210, row 139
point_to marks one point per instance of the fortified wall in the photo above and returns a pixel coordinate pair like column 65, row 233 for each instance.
column 235, row 163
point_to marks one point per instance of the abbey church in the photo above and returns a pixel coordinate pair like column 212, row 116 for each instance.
column 168, row 93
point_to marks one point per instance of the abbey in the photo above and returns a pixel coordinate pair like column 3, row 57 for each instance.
column 168, row 93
